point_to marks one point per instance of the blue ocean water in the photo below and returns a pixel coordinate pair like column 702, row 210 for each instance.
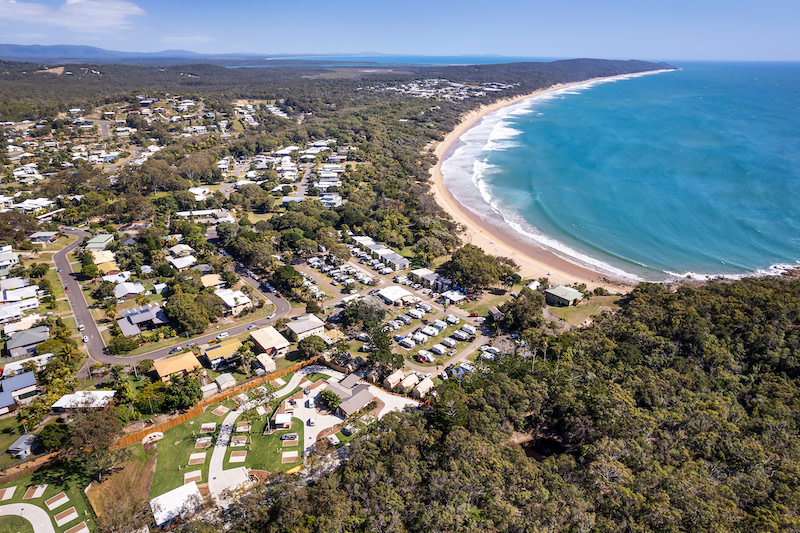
column 694, row 172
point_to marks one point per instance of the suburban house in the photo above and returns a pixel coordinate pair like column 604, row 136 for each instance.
column 102, row 256
column 17, row 389
column 23, row 446
column 562, row 296
column 17, row 367
column 182, row 263
column 269, row 341
column 181, row 250
column 99, row 242
column 108, row 268
column 18, row 295
column 43, row 237
column 25, row 342
column 200, row 193
column 127, row 290
column 179, row 365
column 235, row 301
column 14, row 311
column 7, row 257
column 422, row 388
column 26, row 323
column 84, row 400
column 496, row 314
column 306, row 326
column 221, row 354
column 134, row 320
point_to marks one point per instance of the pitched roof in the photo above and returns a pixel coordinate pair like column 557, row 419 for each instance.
column 356, row 403
column 567, row 293
column 18, row 382
column 185, row 362
column 28, row 337
column 269, row 337
column 85, row 399
column 304, row 324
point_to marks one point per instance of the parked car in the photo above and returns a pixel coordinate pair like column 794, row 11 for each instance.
column 251, row 326
column 175, row 350
column 85, row 339
column 81, row 327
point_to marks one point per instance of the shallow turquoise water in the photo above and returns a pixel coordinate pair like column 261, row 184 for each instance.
column 692, row 172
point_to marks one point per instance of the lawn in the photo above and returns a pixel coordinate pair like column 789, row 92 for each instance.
column 10, row 430
column 576, row 316
column 128, row 487
column 264, row 452
column 15, row 524
column 70, row 477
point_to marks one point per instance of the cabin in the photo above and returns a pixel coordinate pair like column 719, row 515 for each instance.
column 562, row 296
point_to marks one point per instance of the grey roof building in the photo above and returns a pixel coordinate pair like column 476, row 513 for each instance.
column 147, row 316
column 25, row 342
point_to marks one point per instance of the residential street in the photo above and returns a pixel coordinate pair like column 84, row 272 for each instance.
column 37, row 516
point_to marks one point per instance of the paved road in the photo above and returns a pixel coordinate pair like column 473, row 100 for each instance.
column 96, row 345
column 37, row 516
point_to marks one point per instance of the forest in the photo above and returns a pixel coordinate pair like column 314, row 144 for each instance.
column 679, row 413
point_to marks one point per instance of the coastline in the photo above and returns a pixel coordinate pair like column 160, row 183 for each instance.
column 534, row 262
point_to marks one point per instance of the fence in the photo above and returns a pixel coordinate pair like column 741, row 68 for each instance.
column 28, row 467
column 198, row 409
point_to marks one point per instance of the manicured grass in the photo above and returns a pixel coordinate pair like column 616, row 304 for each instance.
column 71, row 478
column 265, row 452
column 316, row 376
column 576, row 316
column 10, row 430
column 15, row 524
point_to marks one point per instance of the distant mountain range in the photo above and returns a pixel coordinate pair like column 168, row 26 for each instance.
column 64, row 53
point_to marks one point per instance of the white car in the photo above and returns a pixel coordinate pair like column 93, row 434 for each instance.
column 85, row 339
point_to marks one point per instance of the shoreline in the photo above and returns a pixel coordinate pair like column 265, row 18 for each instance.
column 534, row 262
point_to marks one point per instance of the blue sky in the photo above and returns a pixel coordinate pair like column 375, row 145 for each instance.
column 642, row 29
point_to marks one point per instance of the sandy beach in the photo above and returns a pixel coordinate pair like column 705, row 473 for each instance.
column 534, row 262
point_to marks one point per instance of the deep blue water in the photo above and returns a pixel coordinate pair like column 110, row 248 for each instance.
column 690, row 172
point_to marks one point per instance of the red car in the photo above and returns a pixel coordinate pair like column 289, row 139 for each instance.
column 473, row 314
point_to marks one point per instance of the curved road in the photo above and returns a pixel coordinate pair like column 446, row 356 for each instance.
column 37, row 516
column 96, row 346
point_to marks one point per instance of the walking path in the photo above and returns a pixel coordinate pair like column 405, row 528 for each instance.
column 37, row 516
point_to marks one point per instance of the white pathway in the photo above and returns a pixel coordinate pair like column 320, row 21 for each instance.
column 37, row 516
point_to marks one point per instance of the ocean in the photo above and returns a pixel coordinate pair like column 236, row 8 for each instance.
column 688, row 173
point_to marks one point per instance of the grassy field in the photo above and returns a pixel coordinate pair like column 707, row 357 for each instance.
column 128, row 487
column 576, row 316
column 264, row 452
column 10, row 430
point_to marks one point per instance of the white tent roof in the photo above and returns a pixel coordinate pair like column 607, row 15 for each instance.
column 182, row 501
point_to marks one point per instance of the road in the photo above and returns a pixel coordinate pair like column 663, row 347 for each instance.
column 96, row 346
column 37, row 516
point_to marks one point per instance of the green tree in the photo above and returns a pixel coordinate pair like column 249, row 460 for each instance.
column 53, row 436
column 311, row 346
column 91, row 435
column 330, row 399
column 186, row 313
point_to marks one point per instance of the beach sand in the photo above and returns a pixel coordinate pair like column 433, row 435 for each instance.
column 534, row 262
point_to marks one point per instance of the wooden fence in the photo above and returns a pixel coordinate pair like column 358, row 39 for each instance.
column 199, row 409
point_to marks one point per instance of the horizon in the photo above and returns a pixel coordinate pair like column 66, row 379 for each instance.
column 737, row 30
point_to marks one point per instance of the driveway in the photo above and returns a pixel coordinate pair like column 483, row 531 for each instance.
column 37, row 516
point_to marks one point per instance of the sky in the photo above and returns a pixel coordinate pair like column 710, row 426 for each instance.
column 620, row 29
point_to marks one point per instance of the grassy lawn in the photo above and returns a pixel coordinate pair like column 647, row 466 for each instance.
column 15, row 524
column 292, row 358
column 56, row 289
column 576, row 316
column 488, row 300
column 71, row 478
column 128, row 486
column 10, row 430
column 238, row 375
column 264, row 452
column 316, row 376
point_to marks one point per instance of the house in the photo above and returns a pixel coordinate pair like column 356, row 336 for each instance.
column 17, row 367
column 109, row 268
column 18, row 295
column 534, row 285
column 562, row 296
column 221, row 354
column 119, row 277
column 394, row 379
column 200, row 193
column 99, row 242
column 23, row 446
column 25, row 342
column 127, row 290
column 102, row 256
column 14, row 311
column 84, row 400
column 226, row 381
column 182, row 502
column 355, row 403
column 159, row 288
column 182, row 263
column 212, row 280
column 270, row 341
column 266, row 362
column 181, row 250
column 7, row 257
column 496, row 314
column 422, row 389
column 26, row 323
column 182, row 364
column 393, row 295
column 306, row 326
column 43, row 237
column 9, row 284
column 17, row 389
column 235, row 301
column 134, row 320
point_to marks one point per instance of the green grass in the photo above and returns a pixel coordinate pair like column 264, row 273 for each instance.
column 10, row 430
column 15, row 524
column 264, row 452
column 70, row 477
column 576, row 316
column 316, row 376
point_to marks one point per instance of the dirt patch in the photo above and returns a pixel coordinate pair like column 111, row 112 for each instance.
column 379, row 405
column 261, row 476
column 287, row 443
column 519, row 437
column 329, row 431
column 126, row 488
column 55, row 70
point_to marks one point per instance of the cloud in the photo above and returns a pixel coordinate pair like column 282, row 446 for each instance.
column 91, row 16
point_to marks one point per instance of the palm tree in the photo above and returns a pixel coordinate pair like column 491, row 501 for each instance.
column 142, row 299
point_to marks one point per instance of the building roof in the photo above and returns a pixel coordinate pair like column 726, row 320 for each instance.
column 102, row 256
column 15, row 367
column 269, row 337
column 185, row 362
column 183, row 501
column 18, row 382
column 21, row 444
column 224, row 378
column 179, row 249
column 126, row 287
column 232, row 298
column 393, row 293
column 567, row 293
column 85, row 399
column 396, row 376
column 28, row 337
column 226, row 349
column 304, row 324
column 182, row 262
column 424, row 386
column 99, row 241
column 350, row 381
column 356, row 403
column 283, row 418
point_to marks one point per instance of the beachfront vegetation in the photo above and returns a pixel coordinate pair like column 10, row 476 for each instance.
column 680, row 412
